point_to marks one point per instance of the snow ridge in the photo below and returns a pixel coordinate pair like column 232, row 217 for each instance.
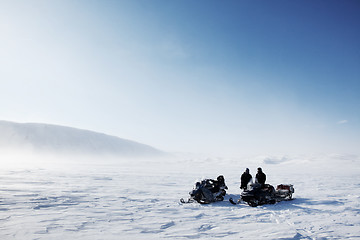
column 60, row 139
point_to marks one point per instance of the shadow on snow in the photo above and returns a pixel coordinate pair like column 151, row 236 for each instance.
column 304, row 204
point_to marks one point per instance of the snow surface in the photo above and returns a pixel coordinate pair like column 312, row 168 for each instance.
column 101, row 198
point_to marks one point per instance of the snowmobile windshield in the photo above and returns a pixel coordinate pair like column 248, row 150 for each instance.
column 249, row 185
column 252, row 186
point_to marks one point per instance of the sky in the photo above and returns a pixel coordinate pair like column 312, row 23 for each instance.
column 220, row 77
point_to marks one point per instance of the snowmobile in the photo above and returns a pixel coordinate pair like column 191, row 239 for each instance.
column 208, row 191
column 266, row 194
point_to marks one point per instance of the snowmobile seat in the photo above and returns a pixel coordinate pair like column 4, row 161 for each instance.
column 269, row 188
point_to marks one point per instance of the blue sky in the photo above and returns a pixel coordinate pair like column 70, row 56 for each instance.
column 222, row 77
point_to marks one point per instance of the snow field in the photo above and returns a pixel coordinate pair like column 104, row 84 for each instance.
column 139, row 199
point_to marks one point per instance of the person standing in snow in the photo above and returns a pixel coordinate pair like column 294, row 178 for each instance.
column 260, row 177
column 245, row 179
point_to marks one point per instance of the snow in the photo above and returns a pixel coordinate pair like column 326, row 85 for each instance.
column 41, row 137
column 109, row 198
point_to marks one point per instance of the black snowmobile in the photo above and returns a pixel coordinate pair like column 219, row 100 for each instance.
column 259, row 195
column 208, row 191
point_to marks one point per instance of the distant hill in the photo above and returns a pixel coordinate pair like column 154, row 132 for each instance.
column 59, row 139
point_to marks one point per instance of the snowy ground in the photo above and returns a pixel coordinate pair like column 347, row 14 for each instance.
column 139, row 199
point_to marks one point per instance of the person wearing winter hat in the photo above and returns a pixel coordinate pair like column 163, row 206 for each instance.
column 245, row 179
column 260, row 177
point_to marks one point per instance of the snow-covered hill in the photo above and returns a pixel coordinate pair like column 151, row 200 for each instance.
column 59, row 139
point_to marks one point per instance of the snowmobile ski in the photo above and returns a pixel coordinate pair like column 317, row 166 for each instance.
column 188, row 201
column 235, row 202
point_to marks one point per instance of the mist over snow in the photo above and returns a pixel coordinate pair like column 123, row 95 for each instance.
column 94, row 196
column 46, row 138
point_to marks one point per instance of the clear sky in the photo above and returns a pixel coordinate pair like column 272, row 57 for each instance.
column 222, row 77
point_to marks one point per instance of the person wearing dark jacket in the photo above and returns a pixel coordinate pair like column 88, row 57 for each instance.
column 245, row 179
column 260, row 177
column 219, row 184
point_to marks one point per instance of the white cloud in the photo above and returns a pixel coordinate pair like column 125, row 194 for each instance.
column 342, row 122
